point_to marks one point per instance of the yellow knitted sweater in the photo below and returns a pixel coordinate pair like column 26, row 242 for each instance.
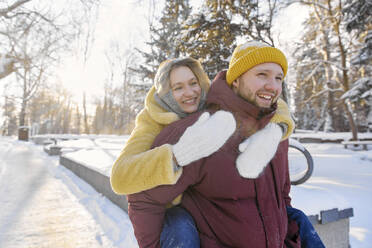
column 138, row 168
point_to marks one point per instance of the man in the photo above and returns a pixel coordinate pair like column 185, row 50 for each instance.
column 237, row 198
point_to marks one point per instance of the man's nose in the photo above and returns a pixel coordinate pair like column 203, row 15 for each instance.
column 273, row 84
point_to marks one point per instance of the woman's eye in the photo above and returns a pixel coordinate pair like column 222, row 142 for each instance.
column 261, row 74
column 176, row 88
column 194, row 83
column 279, row 79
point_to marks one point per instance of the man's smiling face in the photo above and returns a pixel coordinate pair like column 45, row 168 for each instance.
column 261, row 85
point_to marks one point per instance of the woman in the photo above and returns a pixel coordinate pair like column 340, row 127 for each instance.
column 179, row 89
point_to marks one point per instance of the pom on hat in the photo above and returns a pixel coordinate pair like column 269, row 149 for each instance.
column 253, row 53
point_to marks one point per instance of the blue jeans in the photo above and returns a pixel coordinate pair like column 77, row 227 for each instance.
column 309, row 237
column 179, row 230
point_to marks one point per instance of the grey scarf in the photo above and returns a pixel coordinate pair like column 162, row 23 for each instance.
column 169, row 103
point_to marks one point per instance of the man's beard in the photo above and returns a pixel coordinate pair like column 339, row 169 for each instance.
column 253, row 102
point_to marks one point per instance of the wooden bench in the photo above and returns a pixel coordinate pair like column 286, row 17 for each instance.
column 363, row 143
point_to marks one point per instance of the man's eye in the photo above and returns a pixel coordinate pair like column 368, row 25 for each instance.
column 177, row 88
column 279, row 78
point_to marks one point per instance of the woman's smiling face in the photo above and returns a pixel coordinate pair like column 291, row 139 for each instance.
column 185, row 88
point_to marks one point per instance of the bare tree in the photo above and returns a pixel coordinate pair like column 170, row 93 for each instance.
column 86, row 124
column 6, row 65
column 9, row 125
column 56, row 113
column 33, row 36
column 328, row 40
column 77, row 120
column 126, row 96
column 6, row 61
column 8, row 12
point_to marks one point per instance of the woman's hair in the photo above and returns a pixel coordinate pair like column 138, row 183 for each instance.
column 162, row 77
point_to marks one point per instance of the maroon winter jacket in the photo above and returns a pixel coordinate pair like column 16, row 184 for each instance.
column 229, row 210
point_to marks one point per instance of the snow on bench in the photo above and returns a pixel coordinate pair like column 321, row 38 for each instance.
column 363, row 143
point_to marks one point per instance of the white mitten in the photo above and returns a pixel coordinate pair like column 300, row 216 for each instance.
column 258, row 150
column 204, row 137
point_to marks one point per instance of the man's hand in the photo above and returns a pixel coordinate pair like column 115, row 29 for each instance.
column 204, row 137
column 258, row 150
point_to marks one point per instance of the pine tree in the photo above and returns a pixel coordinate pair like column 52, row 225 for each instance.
column 358, row 15
column 358, row 18
column 164, row 42
column 212, row 34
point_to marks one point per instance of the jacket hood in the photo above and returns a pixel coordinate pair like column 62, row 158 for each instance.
column 156, row 112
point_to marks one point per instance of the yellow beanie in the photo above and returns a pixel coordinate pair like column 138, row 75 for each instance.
column 250, row 54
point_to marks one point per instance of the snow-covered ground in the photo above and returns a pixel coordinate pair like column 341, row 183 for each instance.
column 44, row 204
column 342, row 178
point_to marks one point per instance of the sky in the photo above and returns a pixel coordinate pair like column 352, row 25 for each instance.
column 127, row 21
column 341, row 179
column 124, row 21
column 288, row 24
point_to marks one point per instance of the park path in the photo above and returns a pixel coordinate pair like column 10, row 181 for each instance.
column 37, row 207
